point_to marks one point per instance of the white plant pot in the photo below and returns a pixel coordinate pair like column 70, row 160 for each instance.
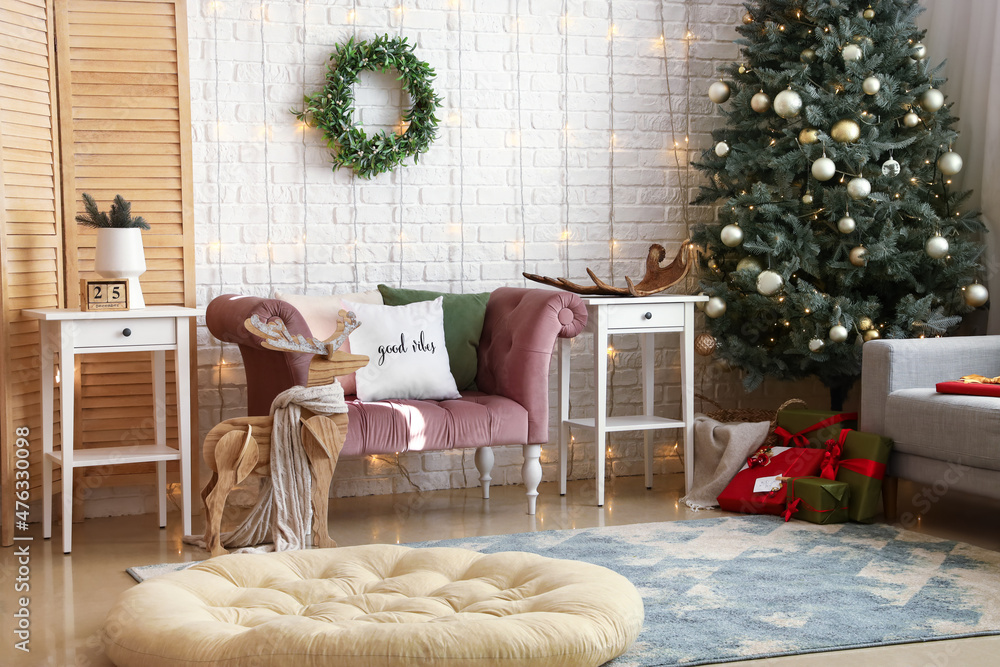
column 120, row 255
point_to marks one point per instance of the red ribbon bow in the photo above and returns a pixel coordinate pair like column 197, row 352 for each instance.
column 832, row 463
column 791, row 508
column 800, row 440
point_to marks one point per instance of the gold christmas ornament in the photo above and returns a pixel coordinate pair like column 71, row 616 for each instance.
column 936, row 247
column 845, row 131
column 869, row 14
column 719, row 92
column 787, row 103
column 911, row 119
column 871, row 334
column 871, row 85
column 808, row 135
column 838, row 333
column 749, row 264
column 747, row 18
column 950, row 163
column 858, row 256
column 865, row 323
column 846, row 225
column 824, row 169
column 760, row 102
column 858, row 188
column 704, row 344
column 743, row 69
column 731, row 235
column 722, row 149
column 716, row 307
column 769, row 282
column 851, row 53
column 975, row 295
column 816, row 344
column 919, row 51
column 807, row 56
column 932, row 100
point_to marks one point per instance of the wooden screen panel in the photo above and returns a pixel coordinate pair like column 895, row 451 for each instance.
column 125, row 129
column 31, row 239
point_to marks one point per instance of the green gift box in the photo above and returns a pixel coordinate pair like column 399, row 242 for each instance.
column 812, row 428
column 862, row 466
column 818, row 500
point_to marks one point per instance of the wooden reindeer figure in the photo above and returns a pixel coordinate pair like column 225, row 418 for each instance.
column 237, row 448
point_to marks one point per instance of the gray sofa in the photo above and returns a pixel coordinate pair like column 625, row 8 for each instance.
column 945, row 441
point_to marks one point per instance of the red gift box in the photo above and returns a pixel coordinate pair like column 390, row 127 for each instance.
column 970, row 388
column 739, row 495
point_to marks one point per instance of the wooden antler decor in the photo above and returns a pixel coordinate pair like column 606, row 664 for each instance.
column 657, row 278
column 233, row 453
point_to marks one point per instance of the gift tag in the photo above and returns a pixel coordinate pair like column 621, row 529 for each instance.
column 767, row 484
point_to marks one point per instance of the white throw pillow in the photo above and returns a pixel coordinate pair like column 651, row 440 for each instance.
column 320, row 313
column 406, row 351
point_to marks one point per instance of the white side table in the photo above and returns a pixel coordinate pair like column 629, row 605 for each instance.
column 645, row 316
column 69, row 332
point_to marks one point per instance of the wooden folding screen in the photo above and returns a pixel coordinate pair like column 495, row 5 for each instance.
column 123, row 126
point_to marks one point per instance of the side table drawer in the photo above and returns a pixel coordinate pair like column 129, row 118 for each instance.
column 645, row 316
column 125, row 331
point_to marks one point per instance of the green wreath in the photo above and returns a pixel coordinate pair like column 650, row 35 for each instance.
column 332, row 108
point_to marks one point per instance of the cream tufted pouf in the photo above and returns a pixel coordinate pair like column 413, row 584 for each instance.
column 380, row 605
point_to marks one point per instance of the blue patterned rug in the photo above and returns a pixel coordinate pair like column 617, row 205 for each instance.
column 727, row 589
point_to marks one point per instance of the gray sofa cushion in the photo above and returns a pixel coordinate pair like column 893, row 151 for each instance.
column 948, row 427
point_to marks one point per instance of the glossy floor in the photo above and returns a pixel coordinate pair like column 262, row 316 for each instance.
column 70, row 595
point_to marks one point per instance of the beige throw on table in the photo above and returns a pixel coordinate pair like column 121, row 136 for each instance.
column 281, row 520
column 720, row 450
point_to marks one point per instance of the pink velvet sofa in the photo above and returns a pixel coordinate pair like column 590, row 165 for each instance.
column 511, row 406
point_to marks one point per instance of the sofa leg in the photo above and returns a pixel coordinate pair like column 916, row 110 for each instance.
column 531, row 473
column 889, row 489
column 484, row 464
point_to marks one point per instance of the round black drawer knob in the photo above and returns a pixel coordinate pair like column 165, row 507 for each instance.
column 126, row 332
column 648, row 316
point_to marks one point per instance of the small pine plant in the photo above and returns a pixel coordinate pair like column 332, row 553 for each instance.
column 119, row 216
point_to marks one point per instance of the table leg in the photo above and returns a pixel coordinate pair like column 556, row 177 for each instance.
column 160, row 419
column 687, row 393
column 647, row 342
column 564, row 358
column 48, row 389
column 67, row 386
column 600, row 401
column 182, row 376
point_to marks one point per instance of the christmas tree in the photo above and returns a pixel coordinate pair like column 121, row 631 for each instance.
column 837, row 221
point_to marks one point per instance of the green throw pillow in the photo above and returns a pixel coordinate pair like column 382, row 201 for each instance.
column 463, row 325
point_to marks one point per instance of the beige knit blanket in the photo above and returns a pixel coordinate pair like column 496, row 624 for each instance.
column 720, row 450
column 281, row 520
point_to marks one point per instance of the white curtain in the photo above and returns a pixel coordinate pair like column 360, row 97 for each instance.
column 965, row 33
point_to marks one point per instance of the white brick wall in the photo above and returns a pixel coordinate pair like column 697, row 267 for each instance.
column 492, row 197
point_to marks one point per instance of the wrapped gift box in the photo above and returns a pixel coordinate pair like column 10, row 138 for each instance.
column 859, row 459
column 812, row 428
column 818, row 500
column 969, row 388
column 740, row 494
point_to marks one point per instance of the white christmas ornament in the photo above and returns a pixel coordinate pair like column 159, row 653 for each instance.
column 890, row 168
column 748, row 264
column 731, row 235
column 815, row 345
column 911, row 119
column 787, row 104
column 807, row 198
column 718, row 92
column 769, row 282
column 950, row 163
column 975, row 295
column 936, row 247
column 700, row 305
column 859, row 188
column 932, row 100
column 919, row 51
column 722, row 149
column 871, row 85
column 838, row 333
column 715, row 307
column 824, row 169
column 851, row 53
column 846, row 225
column 760, row 102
